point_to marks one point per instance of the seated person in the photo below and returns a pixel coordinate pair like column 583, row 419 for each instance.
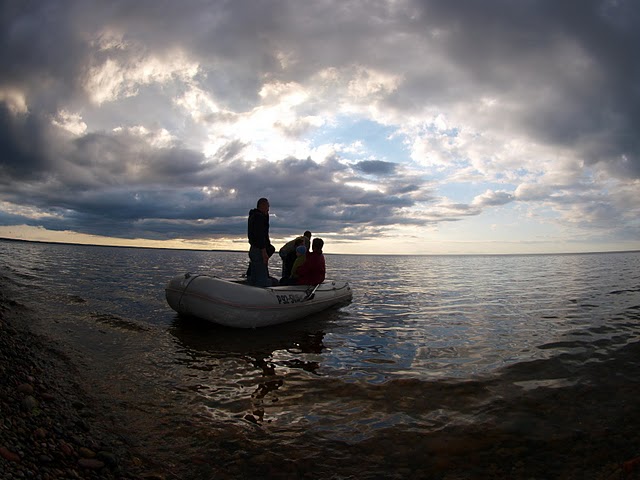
column 301, row 251
column 288, row 252
column 289, row 257
column 312, row 271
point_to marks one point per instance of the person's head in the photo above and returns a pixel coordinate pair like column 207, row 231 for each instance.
column 307, row 234
column 301, row 250
column 298, row 241
column 263, row 205
column 317, row 244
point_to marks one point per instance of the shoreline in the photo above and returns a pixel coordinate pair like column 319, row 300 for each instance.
column 49, row 426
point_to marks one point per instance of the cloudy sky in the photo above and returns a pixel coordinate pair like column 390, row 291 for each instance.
column 398, row 126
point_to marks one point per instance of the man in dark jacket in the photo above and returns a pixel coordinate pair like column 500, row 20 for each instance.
column 261, row 248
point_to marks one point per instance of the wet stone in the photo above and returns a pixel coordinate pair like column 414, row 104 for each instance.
column 108, row 458
column 29, row 403
column 86, row 452
column 25, row 388
column 48, row 397
column 9, row 455
column 91, row 463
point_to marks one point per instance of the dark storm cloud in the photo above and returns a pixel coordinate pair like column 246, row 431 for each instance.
column 376, row 167
column 22, row 152
column 129, row 191
column 573, row 65
column 41, row 51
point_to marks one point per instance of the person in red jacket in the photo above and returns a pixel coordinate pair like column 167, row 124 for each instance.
column 313, row 270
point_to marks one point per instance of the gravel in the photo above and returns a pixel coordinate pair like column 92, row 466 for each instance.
column 49, row 428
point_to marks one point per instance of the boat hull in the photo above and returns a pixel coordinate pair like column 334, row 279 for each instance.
column 235, row 304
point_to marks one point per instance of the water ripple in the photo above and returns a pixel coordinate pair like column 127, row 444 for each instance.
column 418, row 349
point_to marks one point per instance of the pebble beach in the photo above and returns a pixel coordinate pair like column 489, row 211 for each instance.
column 49, row 427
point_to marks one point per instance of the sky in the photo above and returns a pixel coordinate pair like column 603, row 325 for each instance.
column 382, row 126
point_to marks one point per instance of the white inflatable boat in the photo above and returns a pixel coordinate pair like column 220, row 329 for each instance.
column 235, row 304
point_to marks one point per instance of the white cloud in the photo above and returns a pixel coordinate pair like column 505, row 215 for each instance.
column 71, row 122
column 160, row 138
column 368, row 84
column 27, row 211
column 493, row 198
column 532, row 192
column 199, row 105
column 14, row 99
column 122, row 75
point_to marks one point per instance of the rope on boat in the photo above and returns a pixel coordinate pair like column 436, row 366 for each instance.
column 311, row 293
column 184, row 290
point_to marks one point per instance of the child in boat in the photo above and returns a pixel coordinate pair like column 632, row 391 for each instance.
column 301, row 256
column 288, row 252
column 290, row 257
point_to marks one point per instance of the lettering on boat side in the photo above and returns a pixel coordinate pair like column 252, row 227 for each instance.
column 283, row 299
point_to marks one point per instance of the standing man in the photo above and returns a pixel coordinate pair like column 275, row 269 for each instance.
column 261, row 248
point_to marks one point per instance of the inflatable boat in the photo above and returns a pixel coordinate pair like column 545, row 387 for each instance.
column 233, row 303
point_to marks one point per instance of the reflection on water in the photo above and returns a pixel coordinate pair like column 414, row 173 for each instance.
column 259, row 344
column 264, row 357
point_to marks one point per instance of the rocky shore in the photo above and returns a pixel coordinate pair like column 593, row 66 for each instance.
column 49, row 428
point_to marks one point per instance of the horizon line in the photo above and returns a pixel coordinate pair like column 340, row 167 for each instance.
column 53, row 242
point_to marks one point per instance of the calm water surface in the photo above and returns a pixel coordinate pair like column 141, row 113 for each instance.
column 385, row 363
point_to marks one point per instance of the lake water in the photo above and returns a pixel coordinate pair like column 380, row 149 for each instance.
column 427, row 344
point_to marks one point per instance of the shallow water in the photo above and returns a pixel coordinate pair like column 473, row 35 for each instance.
column 427, row 344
